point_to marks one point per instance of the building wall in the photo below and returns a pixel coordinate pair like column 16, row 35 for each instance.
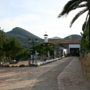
column 67, row 44
column 73, row 46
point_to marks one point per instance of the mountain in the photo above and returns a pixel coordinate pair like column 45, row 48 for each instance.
column 55, row 38
column 23, row 36
column 73, row 36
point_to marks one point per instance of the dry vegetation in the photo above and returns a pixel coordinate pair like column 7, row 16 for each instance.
column 20, row 63
column 85, row 62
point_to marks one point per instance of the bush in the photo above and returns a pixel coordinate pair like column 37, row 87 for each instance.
column 22, row 65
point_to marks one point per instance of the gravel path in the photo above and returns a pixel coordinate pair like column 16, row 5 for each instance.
column 33, row 78
column 48, row 81
column 72, row 77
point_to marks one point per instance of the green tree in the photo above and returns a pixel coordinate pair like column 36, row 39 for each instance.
column 10, row 48
column 44, row 49
column 3, row 39
column 75, row 4
column 13, row 48
column 84, row 40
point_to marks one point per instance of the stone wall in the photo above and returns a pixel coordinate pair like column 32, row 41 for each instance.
column 85, row 62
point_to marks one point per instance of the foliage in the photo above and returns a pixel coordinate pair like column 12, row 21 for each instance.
column 75, row 4
column 85, row 7
column 84, row 41
column 22, row 35
column 13, row 48
column 10, row 48
column 73, row 36
column 44, row 49
column 3, row 40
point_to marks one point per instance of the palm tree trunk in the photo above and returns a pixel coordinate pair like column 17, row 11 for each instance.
column 89, row 22
column 89, row 30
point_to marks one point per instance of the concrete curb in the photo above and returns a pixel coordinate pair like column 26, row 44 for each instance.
column 72, row 78
column 45, row 62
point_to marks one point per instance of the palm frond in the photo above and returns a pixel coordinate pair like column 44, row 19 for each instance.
column 87, row 17
column 71, row 5
column 77, row 15
column 82, row 5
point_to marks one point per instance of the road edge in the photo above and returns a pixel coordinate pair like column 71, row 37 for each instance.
column 72, row 77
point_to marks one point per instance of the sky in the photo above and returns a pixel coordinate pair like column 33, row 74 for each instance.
column 38, row 17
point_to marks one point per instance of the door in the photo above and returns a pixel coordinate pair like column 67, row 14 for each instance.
column 74, row 52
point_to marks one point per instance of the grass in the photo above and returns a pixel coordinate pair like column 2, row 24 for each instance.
column 20, row 63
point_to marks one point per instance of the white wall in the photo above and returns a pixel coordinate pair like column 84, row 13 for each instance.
column 65, row 52
column 45, row 39
column 73, row 46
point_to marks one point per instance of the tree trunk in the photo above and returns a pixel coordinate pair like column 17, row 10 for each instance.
column 89, row 23
column 89, row 30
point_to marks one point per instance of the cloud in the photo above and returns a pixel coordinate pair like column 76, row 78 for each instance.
column 21, row 20
column 39, row 17
column 39, row 24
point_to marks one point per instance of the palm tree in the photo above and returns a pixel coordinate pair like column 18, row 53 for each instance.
column 75, row 4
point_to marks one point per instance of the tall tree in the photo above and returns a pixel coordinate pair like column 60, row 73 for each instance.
column 75, row 4
column 13, row 48
column 3, row 40
column 44, row 49
column 10, row 48
column 84, row 40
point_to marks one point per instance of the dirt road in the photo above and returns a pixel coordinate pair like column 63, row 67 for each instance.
column 32, row 78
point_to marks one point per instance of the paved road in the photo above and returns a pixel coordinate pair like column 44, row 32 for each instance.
column 33, row 78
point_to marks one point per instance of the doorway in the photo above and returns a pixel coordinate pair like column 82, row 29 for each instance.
column 74, row 52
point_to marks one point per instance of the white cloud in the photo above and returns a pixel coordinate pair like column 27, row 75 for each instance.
column 40, row 24
column 9, row 23
column 39, row 17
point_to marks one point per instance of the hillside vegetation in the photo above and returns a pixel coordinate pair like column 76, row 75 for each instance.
column 22, row 35
column 73, row 36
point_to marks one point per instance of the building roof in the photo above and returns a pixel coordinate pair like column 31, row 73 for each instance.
column 66, row 41
column 45, row 35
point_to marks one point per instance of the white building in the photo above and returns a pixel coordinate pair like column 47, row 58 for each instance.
column 45, row 38
column 69, row 46
column 74, row 49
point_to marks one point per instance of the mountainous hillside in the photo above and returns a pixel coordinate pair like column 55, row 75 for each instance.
column 55, row 38
column 73, row 36
column 23, row 36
